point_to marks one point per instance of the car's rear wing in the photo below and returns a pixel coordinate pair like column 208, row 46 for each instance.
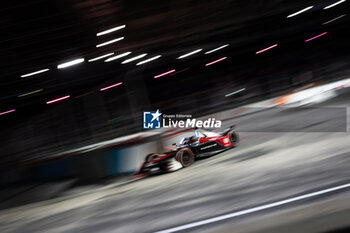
column 227, row 130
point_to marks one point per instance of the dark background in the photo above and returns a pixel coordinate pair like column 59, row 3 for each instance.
column 42, row 34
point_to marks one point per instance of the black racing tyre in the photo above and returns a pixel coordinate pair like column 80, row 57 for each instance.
column 234, row 138
column 185, row 157
column 150, row 157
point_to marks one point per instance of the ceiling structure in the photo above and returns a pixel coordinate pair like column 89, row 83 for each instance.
column 40, row 34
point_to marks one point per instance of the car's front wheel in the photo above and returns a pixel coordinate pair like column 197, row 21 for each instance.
column 185, row 157
column 234, row 138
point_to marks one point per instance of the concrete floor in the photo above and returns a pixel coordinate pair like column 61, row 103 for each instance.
column 268, row 165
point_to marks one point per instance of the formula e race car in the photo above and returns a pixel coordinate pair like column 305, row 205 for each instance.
column 202, row 143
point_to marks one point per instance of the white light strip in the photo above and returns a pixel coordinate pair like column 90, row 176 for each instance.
column 254, row 209
column 100, row 57
column 117, row 57
column 299, row 12
column 334, row 4
column 34, row 73
column 110, row 30
column 70, row 63
column 189, row 54
column 214, row 50
column 235, row 92
column 109, row 42
column 148, row 60
column 134, row 58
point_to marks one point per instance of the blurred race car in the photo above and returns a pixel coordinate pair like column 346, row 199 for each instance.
column 202, row 143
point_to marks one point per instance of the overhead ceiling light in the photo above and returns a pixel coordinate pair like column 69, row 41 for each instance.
column 216, row 61
column 312, row 38
column 30, row 93
column 59, row 99
column 265, row 49
column 110, row 42
column 100, row 57
column 332, row 20
column 70, row 63
column 189, row 54
column 134, row 58
column 3, row 113
column 110, row 30
column 334, row 4
column 168, row 72
column 180, row 71
column 235, row 92
column 34, row 73
column 148, row 60
column 111, row 86
column 117, row 57
column 214, row 50
column 85, row 94
column 299, row 12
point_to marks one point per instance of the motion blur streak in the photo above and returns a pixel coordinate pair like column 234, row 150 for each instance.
column 214, row 50
column 100, row 57
column 117, row 57
column 134, row 58
column 216, row 61
column 180, row 71
column 59, row 99
column 70, row 63
column 235, row 92
column 255, row 209
column 111, row 30
column 299, row 12
column 34, row 73
column 334, row 4
column 85, row 94
column 3, row 113
column 30, row 93
column 110, row 42
column 148, row 60
column 109, row 87
column 332, row 20
column 169, row 72
column 322, row 34
column 189, row 54
column 268, row 48
column 114, row 119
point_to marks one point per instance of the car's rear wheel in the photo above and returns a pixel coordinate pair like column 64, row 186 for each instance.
column 150, row 157
column 234, row 138
column 185, row 157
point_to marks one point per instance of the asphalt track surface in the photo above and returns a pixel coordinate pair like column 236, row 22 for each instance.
column 272, row 164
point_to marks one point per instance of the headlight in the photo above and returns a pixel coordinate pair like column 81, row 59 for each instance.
column 226, row 140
